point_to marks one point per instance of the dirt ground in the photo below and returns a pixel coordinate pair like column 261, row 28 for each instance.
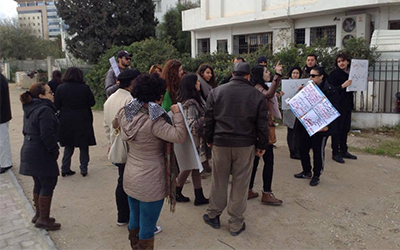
column 356, row 205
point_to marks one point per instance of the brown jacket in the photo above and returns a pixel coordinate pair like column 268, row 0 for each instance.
column 268, row 94
column 144, row 176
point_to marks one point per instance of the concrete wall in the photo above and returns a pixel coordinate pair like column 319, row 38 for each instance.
column 374, row 120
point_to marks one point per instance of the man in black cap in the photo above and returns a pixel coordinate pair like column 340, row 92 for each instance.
column 119, row 99
column 262, row 60
column 124, row 62
column 236, row 129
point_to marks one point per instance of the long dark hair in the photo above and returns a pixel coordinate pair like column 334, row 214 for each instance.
column 344, row 57
column 56, row 76
column 321, row 71
column 170, row 73
column 203, row 68
column 73, row 74
column 188, row 89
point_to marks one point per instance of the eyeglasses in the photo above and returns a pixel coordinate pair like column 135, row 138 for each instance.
column 312, row 75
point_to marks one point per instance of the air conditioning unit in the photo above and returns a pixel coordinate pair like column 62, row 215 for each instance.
column 354, row 27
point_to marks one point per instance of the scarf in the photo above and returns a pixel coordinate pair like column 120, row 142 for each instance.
column 171, row 168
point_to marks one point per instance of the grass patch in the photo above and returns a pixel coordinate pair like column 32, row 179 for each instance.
column 387, row 148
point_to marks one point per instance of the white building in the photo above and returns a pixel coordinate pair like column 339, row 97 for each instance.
column 238, row 26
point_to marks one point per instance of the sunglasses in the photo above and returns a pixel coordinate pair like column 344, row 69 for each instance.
column 312, row 75
column 127, row 58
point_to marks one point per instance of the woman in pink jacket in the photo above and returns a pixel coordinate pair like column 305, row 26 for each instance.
column 147, row 129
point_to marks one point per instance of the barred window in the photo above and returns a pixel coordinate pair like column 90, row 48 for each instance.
column 321, row 32
column 203, row 46
column 250, row 43
column 300, row 36
column 222, row 45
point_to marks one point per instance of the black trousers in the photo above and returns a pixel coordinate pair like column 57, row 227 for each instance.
column 121, row 197
column 83, row 158
column 293, row 142
column 339, row 139
column 44, row 186
column 268, row 170
column 317, row 143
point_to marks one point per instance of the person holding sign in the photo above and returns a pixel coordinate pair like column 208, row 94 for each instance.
column 339, row 78
column 260, row 75
column 289, row 119
column 124, row 62
column 193, row 106
column 317, row 142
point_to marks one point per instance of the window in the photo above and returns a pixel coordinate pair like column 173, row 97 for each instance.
column 222, row 45
column 300, row 36
column 38, row 24
column 250, row 43
column 321, row 32
column 31, row 4
column 38, row 30
column 203, row 46
column 22, row 5
column 20, row 18
column 29, row 18
column 33, row 18
column 33, row 24
column 40, row 4
column 394, row 25
column 49, row 3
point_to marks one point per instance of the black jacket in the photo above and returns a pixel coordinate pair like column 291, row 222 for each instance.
column 76, row 119
column 53, row 84
column 346, row 99
column 40, row 150
column 5, row 107
column 332, row 94
column 236, row 115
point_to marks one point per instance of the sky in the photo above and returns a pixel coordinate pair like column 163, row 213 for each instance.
column 8, row 9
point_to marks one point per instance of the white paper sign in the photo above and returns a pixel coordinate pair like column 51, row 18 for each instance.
column 186, row 152
column 313, row 109
column 359, row 75
column 290, row 87
column 114, row 66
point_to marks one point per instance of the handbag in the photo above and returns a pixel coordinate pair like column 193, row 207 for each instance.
column 119, row 149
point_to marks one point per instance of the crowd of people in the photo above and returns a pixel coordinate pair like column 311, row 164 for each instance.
column 232, row 125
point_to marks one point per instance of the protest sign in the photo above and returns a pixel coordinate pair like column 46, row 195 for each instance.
column 186, row 152
column 313, row 109
column 114, row 66
column 290, row 88
column 359, row 75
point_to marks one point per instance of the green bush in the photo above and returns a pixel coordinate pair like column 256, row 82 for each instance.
column 151, row 51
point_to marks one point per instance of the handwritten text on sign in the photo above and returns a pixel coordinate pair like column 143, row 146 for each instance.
column 313, row 109
column 359, row 75
column 290, row 88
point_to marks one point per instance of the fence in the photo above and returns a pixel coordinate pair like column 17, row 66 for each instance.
column 384, row 83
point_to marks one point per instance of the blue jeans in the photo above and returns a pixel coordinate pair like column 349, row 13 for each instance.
column 145, row 216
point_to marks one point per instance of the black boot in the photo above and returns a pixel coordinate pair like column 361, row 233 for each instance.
column 200, row 199
column 179, row 195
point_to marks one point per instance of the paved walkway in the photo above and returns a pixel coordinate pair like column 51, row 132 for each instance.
column 16, row 230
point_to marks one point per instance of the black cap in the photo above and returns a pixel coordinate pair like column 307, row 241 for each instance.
column 127, row 76
column 124, row 53
column 261, row 59
column 242, row 67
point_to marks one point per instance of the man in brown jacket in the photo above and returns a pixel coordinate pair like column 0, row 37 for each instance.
column 236, row 121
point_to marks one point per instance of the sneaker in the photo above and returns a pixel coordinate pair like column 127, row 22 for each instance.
column 214, row 223
column 252, row 194
column 157, row 230
column 122, row 223
column 347, row 155
column 268, row 198
column 338, row 158
column 314, row 181
column 241, row 230
column 303, row 175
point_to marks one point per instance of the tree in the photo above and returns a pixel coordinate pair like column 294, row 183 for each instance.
column 19, row 43
column 97, row 25
column 171, row 27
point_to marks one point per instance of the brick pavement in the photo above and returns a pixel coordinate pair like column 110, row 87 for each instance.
column 16, row 230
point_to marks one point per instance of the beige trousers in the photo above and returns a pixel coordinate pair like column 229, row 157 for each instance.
column 238, row 162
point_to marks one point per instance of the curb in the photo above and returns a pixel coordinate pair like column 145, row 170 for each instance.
column 47, row 241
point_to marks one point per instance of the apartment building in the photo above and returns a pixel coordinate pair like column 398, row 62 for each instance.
column 238, row 26
column 40, row 17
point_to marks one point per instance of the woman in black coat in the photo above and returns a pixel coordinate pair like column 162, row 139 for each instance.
column 74, row 100
column 40, row 150
column 340, row 79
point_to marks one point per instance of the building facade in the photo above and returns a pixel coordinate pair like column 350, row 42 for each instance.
column 237, row 26
column 40, row 17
